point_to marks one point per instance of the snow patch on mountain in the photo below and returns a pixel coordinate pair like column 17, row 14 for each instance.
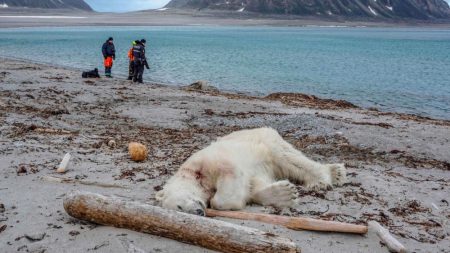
column 372, row 10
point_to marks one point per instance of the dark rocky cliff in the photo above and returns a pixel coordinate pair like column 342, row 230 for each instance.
column 48, row 4
column 415, row 9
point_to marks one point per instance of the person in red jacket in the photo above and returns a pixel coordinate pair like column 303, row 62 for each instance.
column 109, row 54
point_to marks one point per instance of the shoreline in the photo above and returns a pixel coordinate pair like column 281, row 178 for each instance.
column 288, row 98
column 397, row 167
column 192, row 17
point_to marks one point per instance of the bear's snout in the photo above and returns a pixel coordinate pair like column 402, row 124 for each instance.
column 200, row 212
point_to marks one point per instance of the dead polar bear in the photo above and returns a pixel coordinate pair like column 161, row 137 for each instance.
column 248, row 166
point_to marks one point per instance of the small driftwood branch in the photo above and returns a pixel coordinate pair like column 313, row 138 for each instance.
column 84, row 182
column 62, row 168
column 391, row 243
column 295, row 223
column 209, row 233
column 51, row 131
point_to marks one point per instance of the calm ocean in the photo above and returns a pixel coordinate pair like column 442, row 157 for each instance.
column 394, row 69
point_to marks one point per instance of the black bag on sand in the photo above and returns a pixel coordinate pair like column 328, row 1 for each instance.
column 90, row 74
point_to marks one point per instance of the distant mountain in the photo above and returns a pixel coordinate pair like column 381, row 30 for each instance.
column 415, row 9
column 47, row 4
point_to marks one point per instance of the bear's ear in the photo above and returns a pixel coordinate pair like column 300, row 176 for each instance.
column 160, row 195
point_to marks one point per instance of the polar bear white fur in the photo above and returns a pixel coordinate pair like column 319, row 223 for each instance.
column 248, row 166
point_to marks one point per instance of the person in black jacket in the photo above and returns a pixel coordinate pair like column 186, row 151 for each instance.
column 109, row 54
column 139, row 61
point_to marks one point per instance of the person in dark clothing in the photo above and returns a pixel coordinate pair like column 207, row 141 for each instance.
column 140, row 61
column 109, row 55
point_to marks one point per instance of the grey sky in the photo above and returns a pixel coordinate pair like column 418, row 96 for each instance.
column 129, row 5
column 125, row 5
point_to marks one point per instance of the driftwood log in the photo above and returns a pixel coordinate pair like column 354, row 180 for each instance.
column 295, row 223
column 391, row 243
column 209, row 233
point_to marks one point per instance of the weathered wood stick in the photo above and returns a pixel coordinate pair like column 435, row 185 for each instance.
column 62, row 168
column 209, row 233
column 69, row 180
column 391, row 243
column 295, row 223
column 51, row 131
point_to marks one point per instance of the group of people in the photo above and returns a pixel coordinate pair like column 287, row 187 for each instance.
column 136, row 56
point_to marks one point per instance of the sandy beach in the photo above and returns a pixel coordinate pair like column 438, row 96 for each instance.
column 398, row 165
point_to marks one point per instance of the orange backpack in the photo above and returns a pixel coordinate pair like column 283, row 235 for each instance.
column 130, row 54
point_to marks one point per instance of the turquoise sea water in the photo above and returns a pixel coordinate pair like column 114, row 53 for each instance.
column 394, row 69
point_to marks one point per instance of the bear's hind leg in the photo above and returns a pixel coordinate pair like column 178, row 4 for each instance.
column 279, row 194
column 296, row 166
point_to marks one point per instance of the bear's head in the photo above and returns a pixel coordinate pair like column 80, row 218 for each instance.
column 181, row 200
column 189, row 189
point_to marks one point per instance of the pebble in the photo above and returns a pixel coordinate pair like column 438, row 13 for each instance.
column 74, row 233
column 2, row 228
column 209, row 112
column 112, row 143
column 35, row 237
column 21, row 169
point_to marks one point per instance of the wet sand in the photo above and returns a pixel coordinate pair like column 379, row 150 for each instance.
column 398, row 165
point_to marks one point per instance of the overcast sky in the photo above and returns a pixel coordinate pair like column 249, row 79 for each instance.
column 129, row 5
column 126, row 5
